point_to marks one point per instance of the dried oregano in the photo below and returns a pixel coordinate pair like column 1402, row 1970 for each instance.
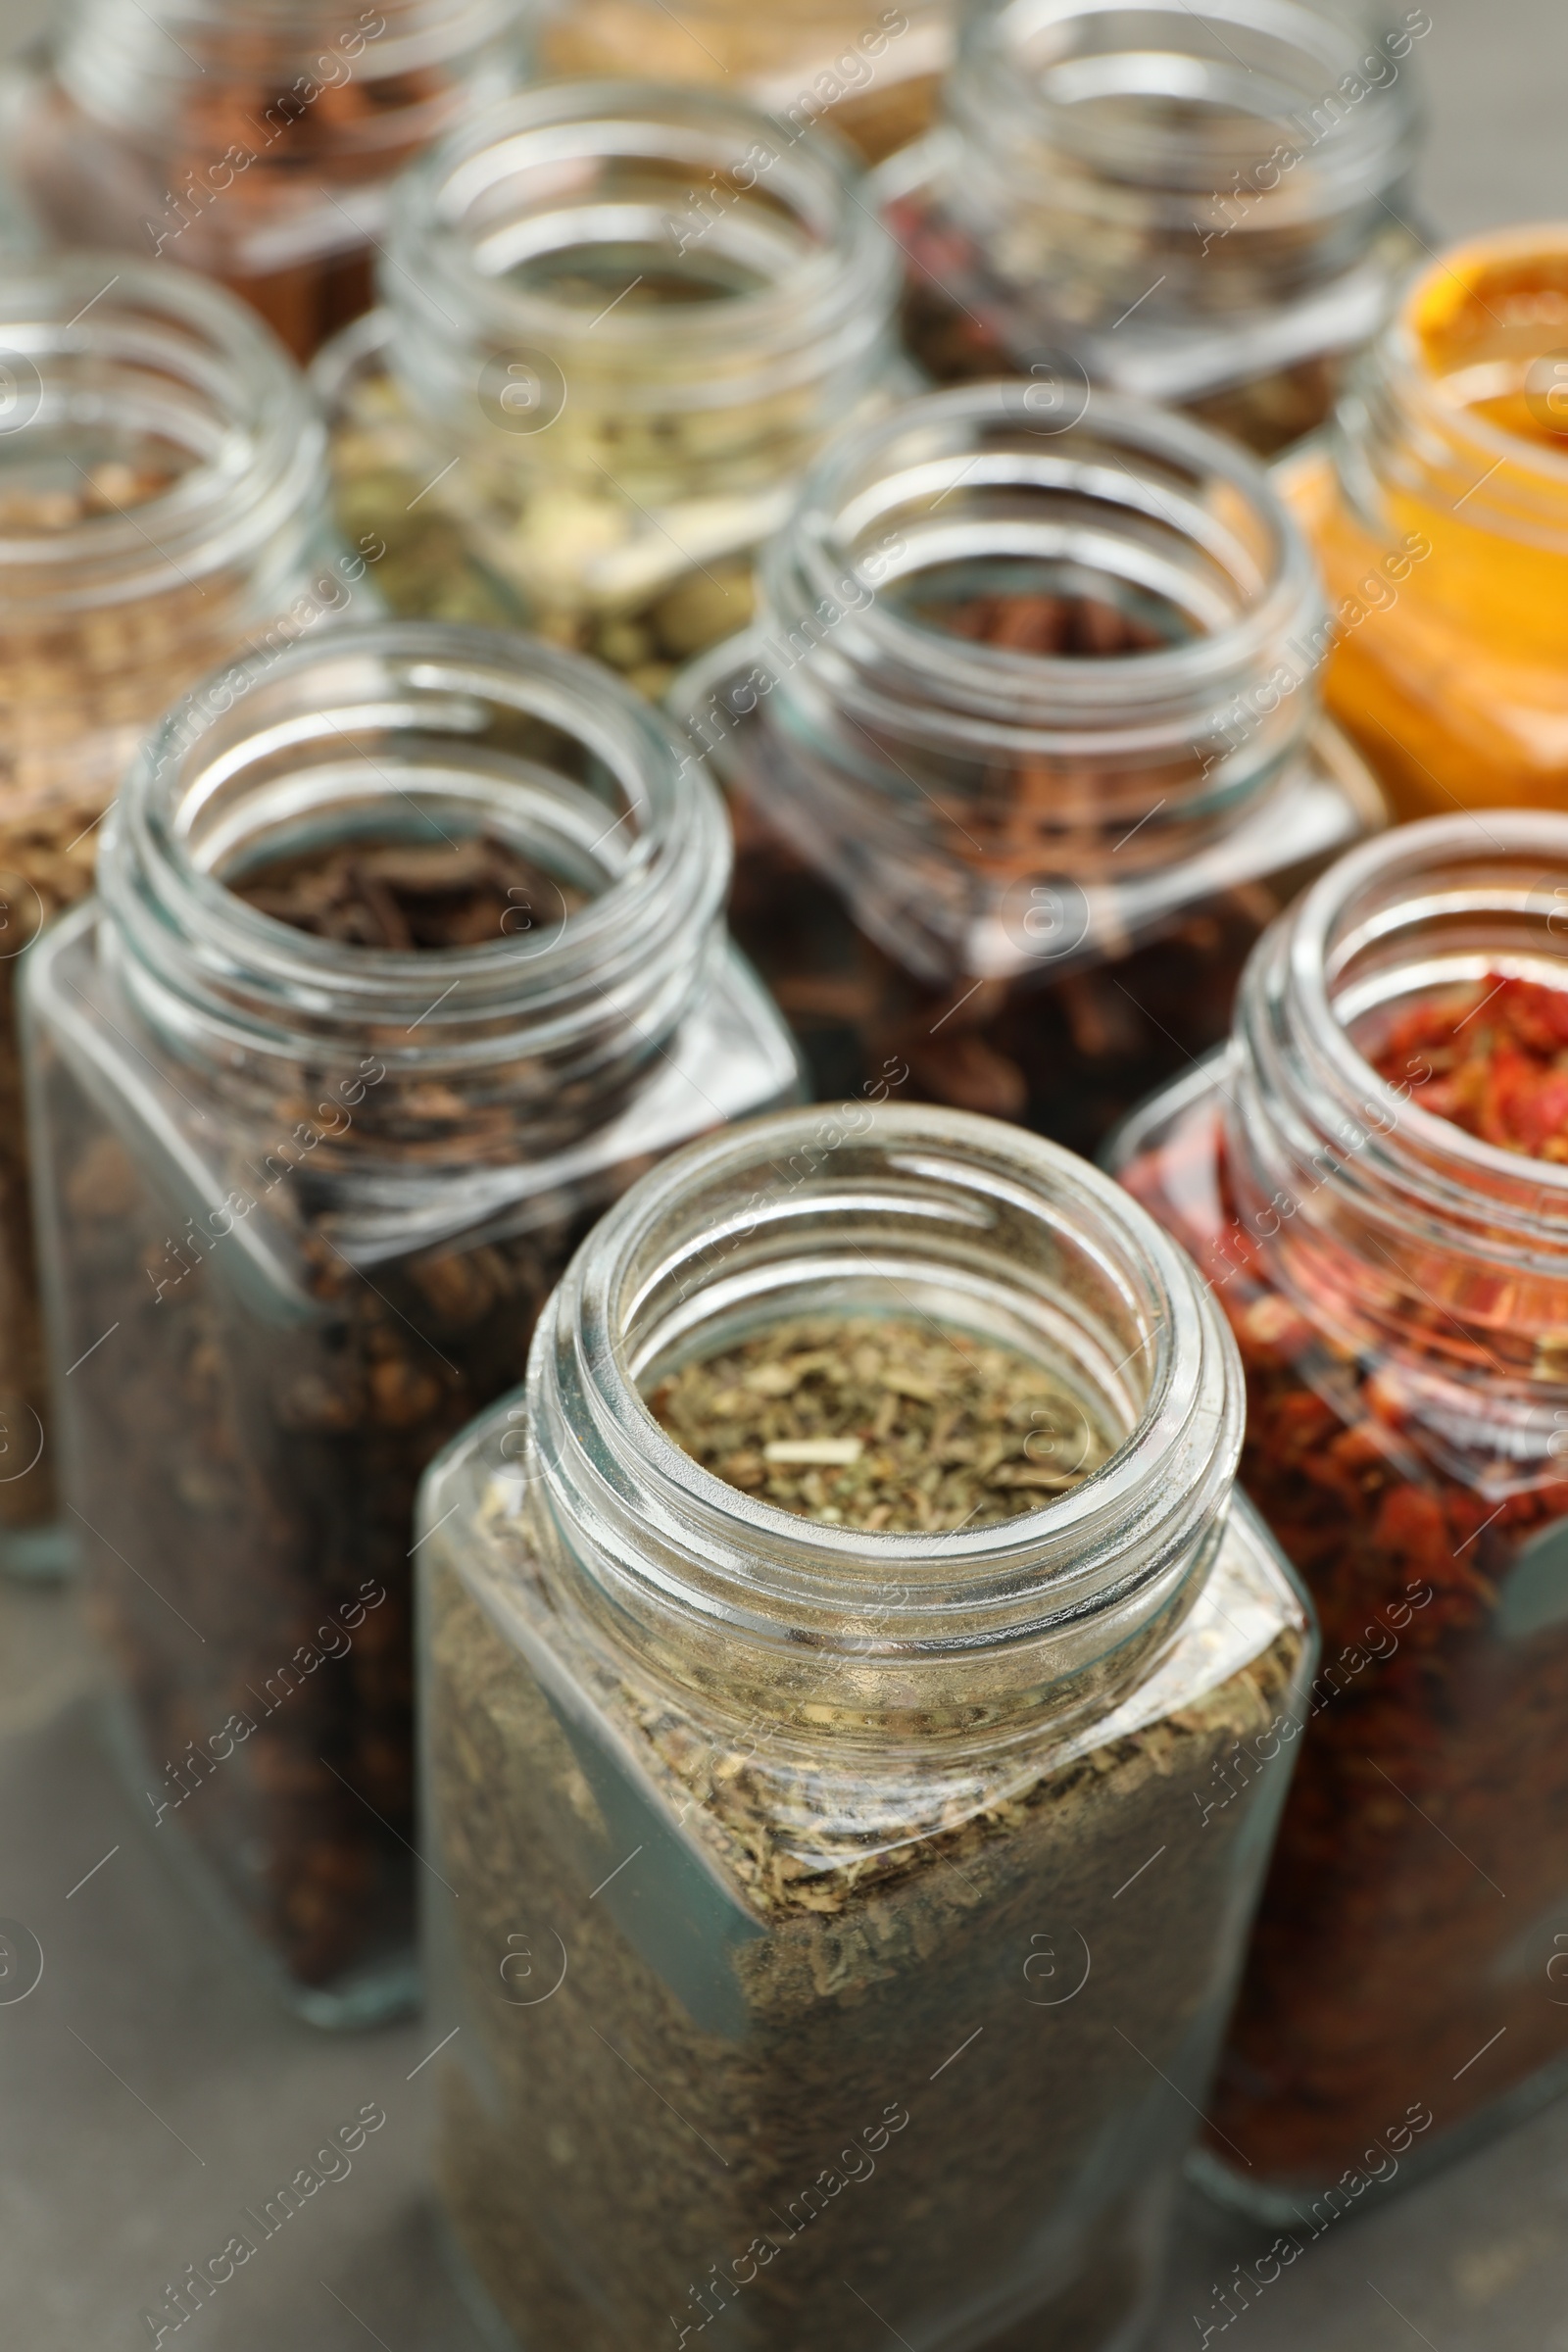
column 881, row 1423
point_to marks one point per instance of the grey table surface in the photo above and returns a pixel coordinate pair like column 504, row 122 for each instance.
column 150, row 2090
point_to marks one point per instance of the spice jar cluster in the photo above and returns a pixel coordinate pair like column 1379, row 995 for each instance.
column 850, row 614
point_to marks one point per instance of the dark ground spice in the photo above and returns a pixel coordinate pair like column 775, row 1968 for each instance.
column 880, row 1423
column 1422, row 1864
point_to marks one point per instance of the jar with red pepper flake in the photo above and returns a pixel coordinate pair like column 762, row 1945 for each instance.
column 1200, row 206
column 255, row 140
column 1374, row 1180
column 1024, row 753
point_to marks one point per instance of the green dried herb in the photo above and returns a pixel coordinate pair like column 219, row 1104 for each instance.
column 881, row 1423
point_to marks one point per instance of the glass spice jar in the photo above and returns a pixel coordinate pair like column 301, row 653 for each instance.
column 618, row 323
column 409, row 953
column 875, row 71
column 1201, row 207
column 253, row 140
column 1451, row 670
column 784, row 1837
column 161, row 505
column 1398, row 1283
column 1024, row 751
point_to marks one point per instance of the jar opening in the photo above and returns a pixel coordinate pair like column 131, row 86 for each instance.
column 439, row 763
column 1161, row 97
column 176, row 68
column 1491, row 324
column 1422, row 916
column 643, row 240
column 980, row 1237
column 151, row 430
column 1392, row 1226
column 993, row 489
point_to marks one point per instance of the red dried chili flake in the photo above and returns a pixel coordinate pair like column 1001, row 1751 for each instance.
column 1432, row 1778
column 1492, row 1058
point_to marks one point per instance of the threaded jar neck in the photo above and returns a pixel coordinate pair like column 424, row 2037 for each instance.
column 906, row 714
column 858, row 1211
column 425, row 736
column 590, row 254
column 1463, row 404
column 1225, row 159
column 169, row 73
column 1394, row 1227
column 159, row 405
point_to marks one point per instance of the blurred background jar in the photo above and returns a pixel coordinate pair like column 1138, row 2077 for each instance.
column 1024, row 751
column 616, row 323
column 1374, row 1178
column 1202, row 207
column 163, row 505
column 409, row 955
column 833, row 1835
column 253, row 140
column 873, row 72
column 1438, row 509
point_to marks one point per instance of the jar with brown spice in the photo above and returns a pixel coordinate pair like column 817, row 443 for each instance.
column 872, row 71
column 1024, row 751
column 254, row 141
column 409, row 953
column 823, row 1655
column 162, row 507
column 1374, row 1178
column 618, row 323
column 1203, row 207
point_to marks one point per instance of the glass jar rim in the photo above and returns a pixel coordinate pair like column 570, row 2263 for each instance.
column 207, row 947
column 1379, row 144
column 1322, row 936
column 264, row 456
column 1401, row 360
column 852, row 269
column 724, row 1556
column 99, row 49
column 1056, row 690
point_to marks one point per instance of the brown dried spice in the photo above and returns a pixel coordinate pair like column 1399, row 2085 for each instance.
column 1065, row 1053
column 409, row 896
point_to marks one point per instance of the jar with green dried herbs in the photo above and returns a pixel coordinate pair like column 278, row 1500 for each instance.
column 409, row 955
column 1374, row 1179
column 1202, row 208
column 827, row 1658
column 616, row 323
column 162, row 507
column 1024, row 751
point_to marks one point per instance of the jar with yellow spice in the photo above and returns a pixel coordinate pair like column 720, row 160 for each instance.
column 874, row 71
column 618, row 323
column 1451, row 670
